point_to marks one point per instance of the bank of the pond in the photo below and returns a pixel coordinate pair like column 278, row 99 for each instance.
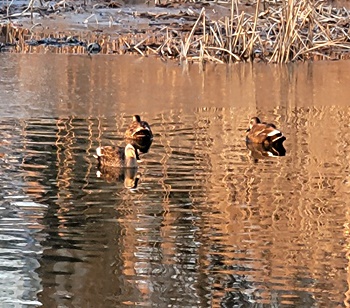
column 216, row 32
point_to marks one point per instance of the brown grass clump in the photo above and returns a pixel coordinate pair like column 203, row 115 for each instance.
column 290, row 31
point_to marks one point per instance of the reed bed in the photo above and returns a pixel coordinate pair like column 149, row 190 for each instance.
column 290, row 31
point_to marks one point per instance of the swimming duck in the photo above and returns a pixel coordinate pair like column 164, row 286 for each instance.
column 264, row 133
column 138, row 129
column 117, row 157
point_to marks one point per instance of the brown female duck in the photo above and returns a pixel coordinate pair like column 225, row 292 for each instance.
column 264, row 133
column 138, row 129
column 117, row 157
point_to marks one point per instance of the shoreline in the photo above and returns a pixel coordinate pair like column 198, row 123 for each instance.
column 219, row 33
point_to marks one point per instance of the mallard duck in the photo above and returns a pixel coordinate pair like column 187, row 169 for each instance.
column 117, row 157
column 264, row 133
column 142, row 145
column 138, row 129
column 93, row 48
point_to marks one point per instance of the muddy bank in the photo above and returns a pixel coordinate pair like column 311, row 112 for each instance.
column 211, row 31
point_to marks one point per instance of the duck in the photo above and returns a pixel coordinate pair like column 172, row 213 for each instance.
column 264, row 133
column 138, row 129
column 117, row 157
column 93, row 48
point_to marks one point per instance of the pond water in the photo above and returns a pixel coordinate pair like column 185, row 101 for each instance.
column 208, row 225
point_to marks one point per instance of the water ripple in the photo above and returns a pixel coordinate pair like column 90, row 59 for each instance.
column 208, row 225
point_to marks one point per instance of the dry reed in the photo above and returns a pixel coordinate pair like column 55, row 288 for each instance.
column 291, row 31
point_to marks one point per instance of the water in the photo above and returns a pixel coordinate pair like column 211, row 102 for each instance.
column 208, row 225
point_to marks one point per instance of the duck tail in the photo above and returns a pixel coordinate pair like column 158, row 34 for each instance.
column 274, row 138
column 277, row 141
column 99, row 152
column 274, row 135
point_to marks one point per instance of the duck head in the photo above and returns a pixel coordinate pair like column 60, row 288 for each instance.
column 254, row 121
column 136, row 118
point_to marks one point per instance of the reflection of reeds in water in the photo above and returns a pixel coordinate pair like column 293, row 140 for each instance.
column 347, row 254
column 65, row 157
column 213, row 140
column 299, row 197
column 159, row 225
column 35, row 189
column 271, row 203
column 90, row 136
column 206, row 211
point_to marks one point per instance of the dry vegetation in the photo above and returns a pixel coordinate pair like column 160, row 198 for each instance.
column 275, row 33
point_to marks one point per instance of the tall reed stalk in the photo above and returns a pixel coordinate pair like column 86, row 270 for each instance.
column 289, row 31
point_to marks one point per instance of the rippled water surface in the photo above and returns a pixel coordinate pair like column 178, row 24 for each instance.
column 210, row 224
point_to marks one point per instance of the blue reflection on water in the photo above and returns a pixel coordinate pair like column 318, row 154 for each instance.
column 20, row 251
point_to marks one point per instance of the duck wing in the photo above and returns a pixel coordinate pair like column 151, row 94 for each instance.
column 110, row 156
column 262, row 133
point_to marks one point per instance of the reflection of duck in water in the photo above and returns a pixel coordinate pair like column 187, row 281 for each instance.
column 130, row 176
column 117, row 163
column 264, row 133
column 139, row 134
column 259, row 151
column 117, row 157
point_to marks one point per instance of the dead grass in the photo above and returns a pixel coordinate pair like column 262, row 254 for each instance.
column 291, row 31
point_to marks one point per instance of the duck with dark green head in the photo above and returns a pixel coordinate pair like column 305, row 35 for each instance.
column 140, row 135
column 138, row 129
